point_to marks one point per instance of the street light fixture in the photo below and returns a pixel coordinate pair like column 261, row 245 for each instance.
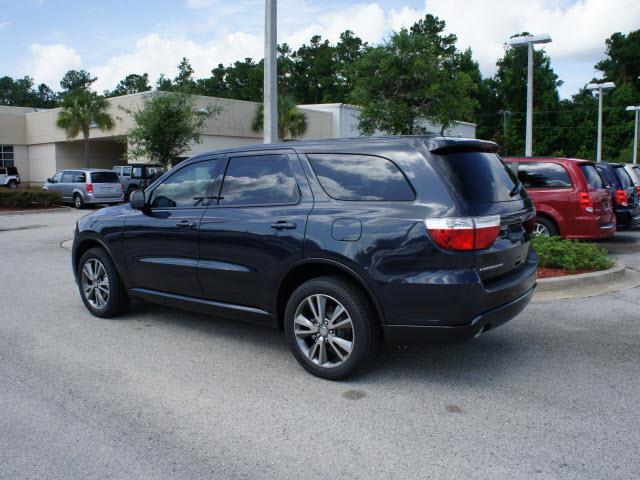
column 599, row 87
column 529, row 41
column 635, row 132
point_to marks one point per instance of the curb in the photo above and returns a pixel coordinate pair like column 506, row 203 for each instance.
column 613, row 274
column 620, row 247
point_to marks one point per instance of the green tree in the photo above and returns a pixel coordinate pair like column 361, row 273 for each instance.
column 413, row 76
column 132, row 83
column 82, row 109
column 184, row 81
column 622, row 64
column 21, row 92
column 292, row 122
column 165, row 126
column 77, row 80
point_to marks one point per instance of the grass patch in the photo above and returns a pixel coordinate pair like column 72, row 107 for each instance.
column 29, row 198
column 570, row 255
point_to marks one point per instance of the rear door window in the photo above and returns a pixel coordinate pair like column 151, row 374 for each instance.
column 104, row 177
column 591, row 175
column 543, row 175
column 480, row 177
column 361, row 177
column 623, row 177
column 259, row 180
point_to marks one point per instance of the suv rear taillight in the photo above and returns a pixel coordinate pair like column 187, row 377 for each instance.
column 638, row 189
column 585, row 201
column 464, row 233
column 621, row 198
column 89, row 187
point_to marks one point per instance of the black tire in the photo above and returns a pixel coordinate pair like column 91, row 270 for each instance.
column 118, row 300
column 366, row 331
column 78, row 201
column 12, row 184
column 548, row 225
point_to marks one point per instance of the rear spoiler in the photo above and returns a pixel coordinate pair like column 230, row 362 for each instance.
column 445, row 145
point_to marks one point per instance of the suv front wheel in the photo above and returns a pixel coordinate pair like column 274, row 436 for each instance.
column 100, row 286
column 330, row 327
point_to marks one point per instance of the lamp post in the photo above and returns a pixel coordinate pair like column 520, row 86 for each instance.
column 270, row 73
column 635, row 109
column 529, row 41
column 599, row 87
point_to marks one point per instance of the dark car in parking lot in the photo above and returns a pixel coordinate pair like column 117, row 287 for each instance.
column 340, row 243
column 624, row 193
column 570, row 197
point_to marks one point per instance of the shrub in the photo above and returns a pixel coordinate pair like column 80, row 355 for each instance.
column 570, row 255
column 32, row 198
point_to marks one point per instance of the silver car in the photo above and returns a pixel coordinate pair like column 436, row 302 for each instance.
column 83, row 186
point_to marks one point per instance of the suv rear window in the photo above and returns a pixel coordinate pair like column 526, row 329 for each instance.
column 591, row 175
column 104, row 177
column 360, row 177
column 623, row 177
column 479, row 176
column 543, row 175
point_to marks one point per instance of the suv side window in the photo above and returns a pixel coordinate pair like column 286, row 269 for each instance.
column 360, row 177
column 187, row 188
column 543, row 175
column 259, row 180
column 126, row 171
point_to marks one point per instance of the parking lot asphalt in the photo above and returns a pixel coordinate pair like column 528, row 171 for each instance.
column 163, row 393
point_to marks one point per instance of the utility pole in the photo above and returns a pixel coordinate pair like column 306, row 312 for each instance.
column 529, row 41
column 505, row 129
column 599, row 87
column 636, row 110
column 270, row 72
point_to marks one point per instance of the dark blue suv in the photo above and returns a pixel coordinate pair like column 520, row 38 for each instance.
column 623, row 192
column 340, row 243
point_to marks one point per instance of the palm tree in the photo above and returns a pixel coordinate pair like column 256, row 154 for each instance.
column 81, row 110
column 291, row 121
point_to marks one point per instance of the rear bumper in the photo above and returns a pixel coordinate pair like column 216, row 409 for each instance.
column 91, row 198
column 415, row 334
column 628, row 218
column 590, row 229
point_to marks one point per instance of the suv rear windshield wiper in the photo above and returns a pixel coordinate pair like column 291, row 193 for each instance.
column 516, row 190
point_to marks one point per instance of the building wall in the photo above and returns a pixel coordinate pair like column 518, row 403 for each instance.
column 13, row 127
column 42, row 162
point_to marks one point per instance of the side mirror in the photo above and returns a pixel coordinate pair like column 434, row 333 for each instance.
column 137, row 200
column 49, row 180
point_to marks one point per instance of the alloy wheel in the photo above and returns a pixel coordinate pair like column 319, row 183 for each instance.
column 95, row 283
column 541, row 230
column 323, row 330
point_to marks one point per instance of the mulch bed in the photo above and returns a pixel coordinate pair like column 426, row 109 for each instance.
column 544, row 272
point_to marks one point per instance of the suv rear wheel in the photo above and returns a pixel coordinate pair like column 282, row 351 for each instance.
column 100, row 286
column 545, row 227
column 330, row 327
column 78, row 202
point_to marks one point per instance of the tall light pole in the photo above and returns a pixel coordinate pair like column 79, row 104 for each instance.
column 635, row 109
column 528, row 41
column 270, row 72
column 599, row 87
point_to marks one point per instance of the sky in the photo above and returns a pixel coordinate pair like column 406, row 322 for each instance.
column 45, row 38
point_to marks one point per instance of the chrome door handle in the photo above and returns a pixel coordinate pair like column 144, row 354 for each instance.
column 185, row 224
column 283, row 225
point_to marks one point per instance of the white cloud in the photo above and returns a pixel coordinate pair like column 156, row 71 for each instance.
column 3, row 25
column 155, row 54
column 48, row 63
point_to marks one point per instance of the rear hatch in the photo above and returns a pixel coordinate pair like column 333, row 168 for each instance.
column 625, row 183
column 602, row 205
column 106, row 184
column 482, row 185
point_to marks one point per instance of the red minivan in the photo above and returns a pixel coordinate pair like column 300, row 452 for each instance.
column 569, row 195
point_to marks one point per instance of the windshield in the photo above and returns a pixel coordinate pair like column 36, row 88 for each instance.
column 104, row 177
column 479, row 176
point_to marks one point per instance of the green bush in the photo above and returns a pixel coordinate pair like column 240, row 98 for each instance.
column 29, row 198
column 570, row 255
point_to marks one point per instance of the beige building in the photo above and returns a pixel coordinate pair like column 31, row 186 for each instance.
column 30, row 140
